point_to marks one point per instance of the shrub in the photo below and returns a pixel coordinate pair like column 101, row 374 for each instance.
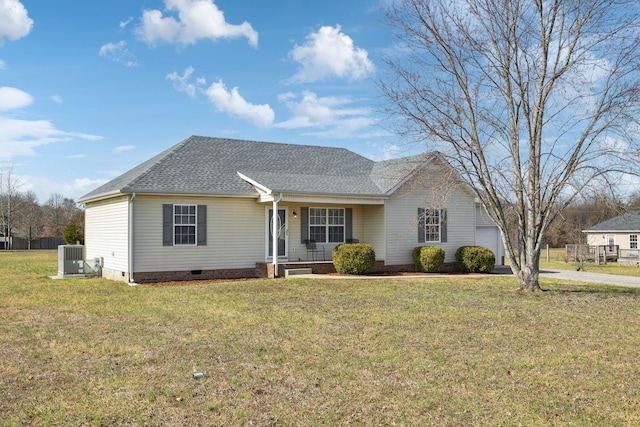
column 354, row 258
column 428, row 259
column 475, row 259
column 74, row 230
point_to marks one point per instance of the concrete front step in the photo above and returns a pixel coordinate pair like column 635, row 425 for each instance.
column 296, row 271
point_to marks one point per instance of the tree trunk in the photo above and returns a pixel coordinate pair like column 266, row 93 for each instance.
column 527, row 278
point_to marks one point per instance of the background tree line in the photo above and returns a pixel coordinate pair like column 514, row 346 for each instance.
column 583, row 214
column 22, row 216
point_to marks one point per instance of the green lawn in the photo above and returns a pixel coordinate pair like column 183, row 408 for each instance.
column 456, row 351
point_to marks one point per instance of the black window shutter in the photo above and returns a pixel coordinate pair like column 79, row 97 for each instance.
column 443, row 225
column 167, row 225
column 348, row 224
column 202, row 225
column 304, row 224
column 421, row 236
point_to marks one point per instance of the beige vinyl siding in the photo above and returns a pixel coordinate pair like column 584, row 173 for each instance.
column 596, row 239
column 374, row 229
column 106, row 234
column 402, row 220
column 482, row 219
column 601, row 238
column 235, row 235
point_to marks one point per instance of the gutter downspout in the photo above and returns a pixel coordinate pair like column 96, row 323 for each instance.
column 274, row 237
column 130, row 260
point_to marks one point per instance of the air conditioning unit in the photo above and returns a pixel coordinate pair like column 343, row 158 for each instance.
column 70, row 260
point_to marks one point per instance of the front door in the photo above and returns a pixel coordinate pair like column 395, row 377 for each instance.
column 282, row 234
column 611, row 244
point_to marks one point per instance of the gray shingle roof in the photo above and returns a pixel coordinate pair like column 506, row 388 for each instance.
column 209, row 166
column 629, row 221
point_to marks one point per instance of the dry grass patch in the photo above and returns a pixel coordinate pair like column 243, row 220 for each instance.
column 304, row 352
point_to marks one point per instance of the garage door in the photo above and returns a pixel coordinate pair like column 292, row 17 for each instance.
column 489, row 237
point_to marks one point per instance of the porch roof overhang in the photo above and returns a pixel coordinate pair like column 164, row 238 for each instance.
column 268, row 195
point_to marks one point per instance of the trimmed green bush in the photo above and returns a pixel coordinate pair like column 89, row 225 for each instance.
column 428, row 259
column 475, row 259
column 354, row 258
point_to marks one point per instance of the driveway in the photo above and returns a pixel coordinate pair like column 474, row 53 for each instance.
column 583, row 276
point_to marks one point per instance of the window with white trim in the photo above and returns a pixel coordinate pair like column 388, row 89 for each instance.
column 184, row 224
column 432, row 225
column 327, row 225
column 633, row 241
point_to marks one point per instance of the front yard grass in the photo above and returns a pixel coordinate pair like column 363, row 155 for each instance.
column 440, row 351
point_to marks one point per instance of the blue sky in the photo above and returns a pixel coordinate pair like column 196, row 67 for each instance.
column 90, row 89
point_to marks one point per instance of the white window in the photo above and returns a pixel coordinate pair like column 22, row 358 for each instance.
column 432, row 225
column 327, row 225
column 184, row 224
column 633, row 241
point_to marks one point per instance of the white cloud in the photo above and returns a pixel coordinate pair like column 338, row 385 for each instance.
column 227, row 101
column 123, row 148
column 3, row 64
column 182, row 84
column 390, row 151
column 231, row 102
column 197, row 19
column 21, row 137
column 332, row 114
column 57, row 99
column 118, row 52
column 330, row 53
column 13, row 99
column 46, row 186
column 123, row 24
column 77, row 156
column 384, row 151
column 14, row 20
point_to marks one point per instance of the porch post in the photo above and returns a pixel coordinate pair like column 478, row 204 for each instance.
column 274, row 237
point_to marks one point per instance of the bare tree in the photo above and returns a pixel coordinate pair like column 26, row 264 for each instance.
column 29, row 222
column 9, row 202
column 531, row 101
column 58, row 212
column 583, row 213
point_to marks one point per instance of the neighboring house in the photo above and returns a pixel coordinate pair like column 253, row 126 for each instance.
column 6, row 242
column 621, row 231
column 204, row 209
